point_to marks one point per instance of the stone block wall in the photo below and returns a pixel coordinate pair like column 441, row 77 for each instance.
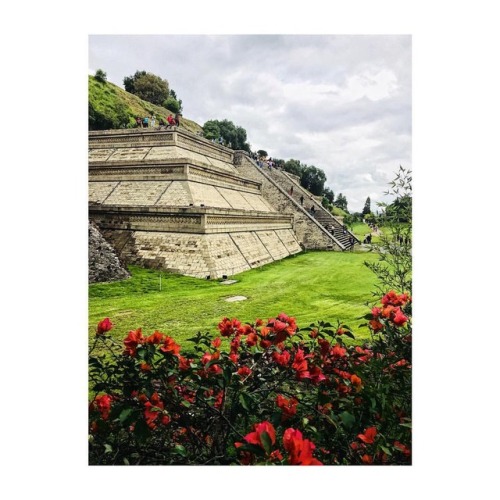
column 308, row 231
column 202, row 255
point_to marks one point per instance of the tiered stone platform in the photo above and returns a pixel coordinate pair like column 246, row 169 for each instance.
column 174, row 201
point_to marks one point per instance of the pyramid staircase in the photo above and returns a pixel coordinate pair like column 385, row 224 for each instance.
column 335, row 230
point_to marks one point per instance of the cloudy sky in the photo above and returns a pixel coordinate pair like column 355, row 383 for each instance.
column 341, row 103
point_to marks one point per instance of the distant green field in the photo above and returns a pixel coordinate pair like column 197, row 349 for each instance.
column 329, row 286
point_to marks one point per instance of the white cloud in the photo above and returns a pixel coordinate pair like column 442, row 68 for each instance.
column 372, row 86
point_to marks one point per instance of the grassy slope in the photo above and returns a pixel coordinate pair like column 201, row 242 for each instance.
column 312, row 286
column 108, row 97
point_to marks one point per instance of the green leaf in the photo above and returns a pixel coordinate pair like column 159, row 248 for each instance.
column 108, row 448
column 180, row 450
column 246, row 401
column 126, row 462
column 185, row 403
column 347, row 419
column 348, row 334
column 386, row 450
column 124, row 414
column 266, row 442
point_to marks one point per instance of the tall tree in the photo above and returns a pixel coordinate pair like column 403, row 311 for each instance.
column 147, row 86
column 294, row 167
column 328, row 194
column 173, row 103
column 341, row 202
column 101, row 76
column 230, row 133
column 313, row 179
column 367, row 209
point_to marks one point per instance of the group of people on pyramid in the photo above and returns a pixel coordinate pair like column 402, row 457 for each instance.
column 150, row 122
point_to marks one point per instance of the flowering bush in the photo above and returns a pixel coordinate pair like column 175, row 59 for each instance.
column 260, row 393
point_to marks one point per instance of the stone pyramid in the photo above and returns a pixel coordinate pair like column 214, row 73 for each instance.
column 169, row 199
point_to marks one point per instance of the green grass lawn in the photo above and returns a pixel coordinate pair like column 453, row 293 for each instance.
column 312, row 286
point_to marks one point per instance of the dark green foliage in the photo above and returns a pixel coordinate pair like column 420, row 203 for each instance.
column 294, row 167
column 231, row 134
column 100, row 76
column 400, row 210
column 328, row 194
column 129, row 81
column 147, row 86
column 394, row 268
column 179, row 101
column 172, row 104
column 313, row 179
column 341, row 202
column 367, row 208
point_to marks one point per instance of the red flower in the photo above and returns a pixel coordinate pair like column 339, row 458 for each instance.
column 299, row 449
column 369, row 435
column 399, row 318
column 388, row 311
column 184, row 363
column 145, row 367
column 283, row 327
column 393, row 299
column 316, row 375
column 401, row 362
column 104, row 326
column 235, row 344
column 288, row 406
column 401, row 447
column 244, row 371
column 300, row 364
column 283, row 317
column 366, row 354
column 252, row 339
column 229, row 327
column 133, row 339
column 338, row 351
column 265, row 343
column 207, row 357
column 356, row 381
column 376, row 325
column 324, row 346
column 256, row 437
column 156, row 338
column 219, row 397
column 170, row 347
column 282, row 359
column 366, row 459
column 216, row 342
column 103, row 404
column 153, row 409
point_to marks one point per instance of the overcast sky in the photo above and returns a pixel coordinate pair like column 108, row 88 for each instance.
column 341, row 103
